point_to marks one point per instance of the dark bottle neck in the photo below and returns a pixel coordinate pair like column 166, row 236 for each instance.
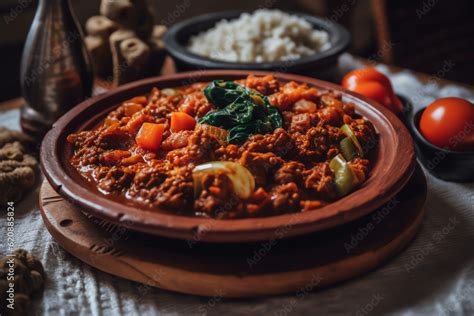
column 58, row 10
column 48, row 4
column 56, row 19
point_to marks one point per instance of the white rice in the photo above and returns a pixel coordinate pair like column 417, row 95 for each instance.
column 263, row 36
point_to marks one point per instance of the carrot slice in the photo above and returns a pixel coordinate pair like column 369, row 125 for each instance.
column 181, row 121
column 130, row 108
column 143, row 100
column 149, row 136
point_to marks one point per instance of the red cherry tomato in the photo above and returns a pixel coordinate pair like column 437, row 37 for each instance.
column 449, row 123
column 354, row 77
column 357, row 81
column 373, row 90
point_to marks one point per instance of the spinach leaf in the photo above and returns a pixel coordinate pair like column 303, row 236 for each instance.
column 243, row 112
column 221, row 93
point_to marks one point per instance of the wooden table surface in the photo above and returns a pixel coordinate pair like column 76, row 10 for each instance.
column 169, row 68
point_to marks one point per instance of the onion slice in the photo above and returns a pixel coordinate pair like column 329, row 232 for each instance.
column 344, row 178
column 220, row 133
column 242, row 180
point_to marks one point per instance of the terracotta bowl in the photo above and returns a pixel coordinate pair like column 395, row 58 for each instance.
column 393, row 166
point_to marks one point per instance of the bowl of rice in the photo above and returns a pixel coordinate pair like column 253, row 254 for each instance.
column 265, row 39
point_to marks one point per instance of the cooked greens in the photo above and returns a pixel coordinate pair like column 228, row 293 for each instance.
column 242, row 112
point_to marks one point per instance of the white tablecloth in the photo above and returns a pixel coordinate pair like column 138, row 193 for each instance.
column 435, row 275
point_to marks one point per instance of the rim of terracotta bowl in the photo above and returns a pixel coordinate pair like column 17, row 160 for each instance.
column 393, row 166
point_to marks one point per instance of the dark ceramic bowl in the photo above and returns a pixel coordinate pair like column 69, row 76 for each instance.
column 442, row 163
column 407, row 113
column 321, row 64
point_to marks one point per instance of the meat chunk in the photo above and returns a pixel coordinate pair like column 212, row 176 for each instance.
column 287, row 118
column 176, row 192
column 290, row 172
column 331, row 116
column 88, row 152
column 365, row 133
column 114, row 157
column 216, row 198
column 258, row 202
column 114, row 137
column 115, row 179
column 195, row 104
column 82, row 139
column 230, row 152
column 176, row 140
column 319, row 143
column 279, row 142
column 200, row 148
column 265, row 85
column 319, row 180
column 331, row 99
column 332, row 109
column 136, row 122
column 162, row 107
column 292, row 92
column 261, row 165
column 285, row 198
column 303, row 122
column 360, row 168
column 151, row 176
column 305, row 106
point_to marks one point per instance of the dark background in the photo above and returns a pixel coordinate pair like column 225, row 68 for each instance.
column 418, row 34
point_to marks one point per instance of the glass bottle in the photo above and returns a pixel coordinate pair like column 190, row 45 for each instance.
column 55, row 68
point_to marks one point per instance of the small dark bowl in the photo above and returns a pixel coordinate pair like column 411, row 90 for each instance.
column 407, row 112
column 321, row 64
column 442, row 163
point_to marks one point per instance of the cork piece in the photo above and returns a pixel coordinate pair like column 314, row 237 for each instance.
column 101, row 56
column 17, row 172
column 121, row 20
column 101, row 26
column 135, row 51
column 131, row 14
column 156, row 38
column 119, row 65
column 119, row 36
column 29, row 280
column 134, row 55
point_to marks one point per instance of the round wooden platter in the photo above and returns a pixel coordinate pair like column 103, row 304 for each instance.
column 279, row 265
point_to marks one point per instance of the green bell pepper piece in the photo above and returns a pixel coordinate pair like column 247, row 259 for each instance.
column 348, row 148
column 344, row 178
column 346, row 129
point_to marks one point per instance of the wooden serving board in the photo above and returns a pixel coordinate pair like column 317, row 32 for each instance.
column 277, row 266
